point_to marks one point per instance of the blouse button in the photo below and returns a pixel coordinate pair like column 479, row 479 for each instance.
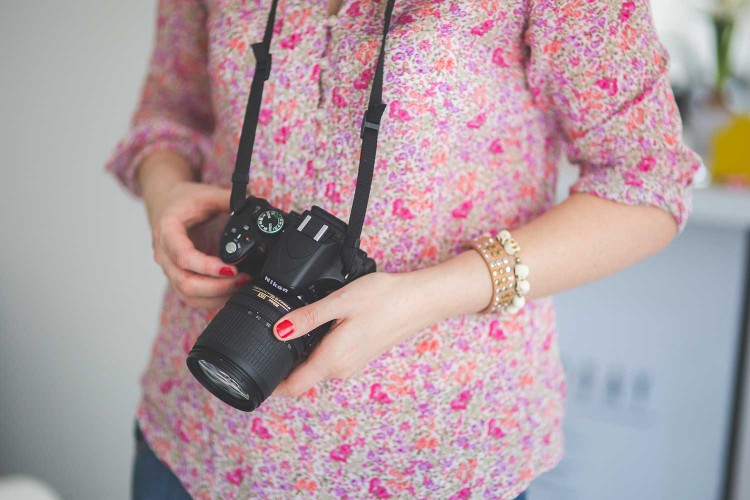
column 332, row 20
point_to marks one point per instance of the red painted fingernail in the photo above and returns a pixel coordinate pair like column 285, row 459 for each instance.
column 226, row 271
column 285, row 329
column 243, row 281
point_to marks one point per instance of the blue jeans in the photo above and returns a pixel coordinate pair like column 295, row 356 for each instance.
column 152, row 479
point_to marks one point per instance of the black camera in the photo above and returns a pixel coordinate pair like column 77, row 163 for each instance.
column 294, row 259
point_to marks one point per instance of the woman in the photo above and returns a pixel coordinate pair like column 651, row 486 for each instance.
column 418, row 391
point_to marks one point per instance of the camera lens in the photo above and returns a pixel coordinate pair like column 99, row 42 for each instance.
column 223, row 380
column 237, row 357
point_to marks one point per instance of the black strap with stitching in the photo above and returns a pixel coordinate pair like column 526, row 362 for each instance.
column 368, row 133
column 262, row 52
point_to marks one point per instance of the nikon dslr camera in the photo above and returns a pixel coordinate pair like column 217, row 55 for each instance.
column 293, row 259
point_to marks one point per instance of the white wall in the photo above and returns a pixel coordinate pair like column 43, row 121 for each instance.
column 79, row 293
column 686, row 30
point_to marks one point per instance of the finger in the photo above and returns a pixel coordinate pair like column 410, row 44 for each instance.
column 209, row 200
column 305, row 319
column 193, row 285
column 212, row 199
column 303, row 377
column 181, row 251
column 197, row 286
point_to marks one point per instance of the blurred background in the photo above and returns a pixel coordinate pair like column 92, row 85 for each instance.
column 655, row 399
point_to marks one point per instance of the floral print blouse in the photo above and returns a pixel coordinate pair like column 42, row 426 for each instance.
column 483, row 98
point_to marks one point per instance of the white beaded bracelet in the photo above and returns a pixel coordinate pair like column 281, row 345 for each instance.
column 508, row 288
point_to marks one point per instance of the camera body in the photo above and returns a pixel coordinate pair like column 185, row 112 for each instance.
column 293, row 260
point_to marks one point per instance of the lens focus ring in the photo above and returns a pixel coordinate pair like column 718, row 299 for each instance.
column 240, row 346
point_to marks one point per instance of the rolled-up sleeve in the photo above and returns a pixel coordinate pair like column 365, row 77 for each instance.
column 174, row 111
column 599, row 68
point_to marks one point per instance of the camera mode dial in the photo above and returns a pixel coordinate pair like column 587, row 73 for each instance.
column 270, row 221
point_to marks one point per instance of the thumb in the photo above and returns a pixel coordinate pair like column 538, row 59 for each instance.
column 305, row 319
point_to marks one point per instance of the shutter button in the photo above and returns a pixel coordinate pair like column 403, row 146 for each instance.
column 231, row 247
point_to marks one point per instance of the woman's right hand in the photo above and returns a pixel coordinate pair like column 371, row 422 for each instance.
column 174, row 205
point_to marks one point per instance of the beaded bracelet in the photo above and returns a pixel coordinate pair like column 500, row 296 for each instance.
column 509, row 275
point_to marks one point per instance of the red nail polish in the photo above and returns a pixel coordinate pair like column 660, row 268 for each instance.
column 226, row 271
column 242, row 282
column 285, row 329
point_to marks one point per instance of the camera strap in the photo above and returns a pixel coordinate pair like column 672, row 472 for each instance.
column 368, row 133
column 262, row 53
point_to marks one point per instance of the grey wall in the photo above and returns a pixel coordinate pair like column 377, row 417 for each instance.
column 742, row 480
column 79, row 293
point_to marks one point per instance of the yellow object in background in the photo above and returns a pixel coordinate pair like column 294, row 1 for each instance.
column 731, row 152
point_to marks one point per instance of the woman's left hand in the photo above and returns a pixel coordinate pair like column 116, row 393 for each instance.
column 377, row 311
column 371, row 314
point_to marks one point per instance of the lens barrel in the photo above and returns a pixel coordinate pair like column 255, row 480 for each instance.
column 237, row 354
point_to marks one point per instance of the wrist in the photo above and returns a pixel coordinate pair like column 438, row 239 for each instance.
column 460, row 285
column 157, row 174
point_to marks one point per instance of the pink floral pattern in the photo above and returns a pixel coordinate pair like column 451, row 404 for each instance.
column 483, row 97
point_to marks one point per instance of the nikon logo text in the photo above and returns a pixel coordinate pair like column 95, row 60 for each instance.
column 275, row 285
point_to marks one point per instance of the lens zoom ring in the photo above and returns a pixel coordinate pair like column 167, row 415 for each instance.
column 250, row 343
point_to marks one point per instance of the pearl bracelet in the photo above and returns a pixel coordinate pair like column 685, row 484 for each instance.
column 509, row 275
